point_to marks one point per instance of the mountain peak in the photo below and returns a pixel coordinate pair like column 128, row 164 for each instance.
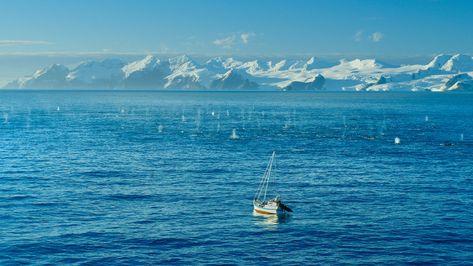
column 311, row 60
column 182, row 62
column 180, row 59
column 217, row 59
column 361, row 63
column 91, row 73
column 215, row 64
column 254, row 66
column 233, row 79
column 310, row 64
column 55, row 68
column 148, row 63
column 459, row 63
column 438, row 61
column 231, row 63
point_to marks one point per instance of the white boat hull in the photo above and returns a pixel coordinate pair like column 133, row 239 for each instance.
column 270, row 209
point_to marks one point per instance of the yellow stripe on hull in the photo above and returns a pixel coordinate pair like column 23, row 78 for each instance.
column 263, row 212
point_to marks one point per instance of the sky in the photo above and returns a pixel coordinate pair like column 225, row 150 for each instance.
column 38, row 33
column 343, row 28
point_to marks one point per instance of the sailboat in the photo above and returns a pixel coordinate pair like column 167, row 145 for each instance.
column 271, row 205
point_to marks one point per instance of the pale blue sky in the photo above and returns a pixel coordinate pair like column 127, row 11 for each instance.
column 246, row 27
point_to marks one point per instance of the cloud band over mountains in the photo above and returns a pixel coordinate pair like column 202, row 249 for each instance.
column 23, row 42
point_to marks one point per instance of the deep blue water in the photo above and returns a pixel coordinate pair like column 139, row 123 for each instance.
column 154, row 178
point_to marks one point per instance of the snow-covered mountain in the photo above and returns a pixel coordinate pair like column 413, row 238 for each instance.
column 147, row 73
column 459, row 63
column 185, row 73
column 315, row 83
column 233, row 79
column 443, row 73
column 459, row 82
column 49, row 77
column 103, row 74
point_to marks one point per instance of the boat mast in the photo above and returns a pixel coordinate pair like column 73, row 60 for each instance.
column 270, row 167
column 264, row 180
column 261, row 184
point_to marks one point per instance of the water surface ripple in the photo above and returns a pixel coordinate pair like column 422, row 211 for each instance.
column 151, row 178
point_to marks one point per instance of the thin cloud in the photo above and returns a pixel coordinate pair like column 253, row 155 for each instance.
column 23, row 42
column 376, row 36
column 246, row 36
column 235, row 39
column 358, row 37
column 226, row 42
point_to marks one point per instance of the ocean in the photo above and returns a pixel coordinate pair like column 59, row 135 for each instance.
column 159, row 178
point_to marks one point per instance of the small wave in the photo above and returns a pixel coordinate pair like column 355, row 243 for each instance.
column 16, row 197
column 130, row 196
column 102, row 173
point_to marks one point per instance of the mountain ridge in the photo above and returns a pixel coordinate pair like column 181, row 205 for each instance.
column 221, row 73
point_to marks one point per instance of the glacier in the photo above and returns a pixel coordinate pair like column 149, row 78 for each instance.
column 443, row 73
